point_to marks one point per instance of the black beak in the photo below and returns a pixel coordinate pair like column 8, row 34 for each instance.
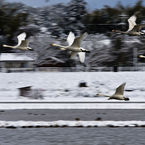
column 31, row 49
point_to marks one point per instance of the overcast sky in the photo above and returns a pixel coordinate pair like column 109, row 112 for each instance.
column 93, row 4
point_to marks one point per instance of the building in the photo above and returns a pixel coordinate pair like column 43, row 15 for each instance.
column 52, row 64
column 16, row 62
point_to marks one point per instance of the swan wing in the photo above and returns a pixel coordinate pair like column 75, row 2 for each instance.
column 24, row 43
column 21, row 37
column 81, row 56
column 120, row 89
column 131, row 22
column 70, row 38
column 78, row 41
column 137, row 27
column 73, row 54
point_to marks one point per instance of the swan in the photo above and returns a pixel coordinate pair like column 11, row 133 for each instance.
column 75, row 46
column 134, row 29
column 141, row 56
column 118, row 94
column 22, row 43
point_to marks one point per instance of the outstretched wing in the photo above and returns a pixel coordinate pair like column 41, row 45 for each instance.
column 70, row 38
column 24, row 43
column 73, row 54
column 82, row 56
column 120, row 89
column 138, row 27
column 21, row 37
column 131, row 22
column 78, row 41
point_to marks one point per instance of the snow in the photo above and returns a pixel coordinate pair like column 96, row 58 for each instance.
column 63, row 87
column 63, row 123
column 43, row 29
column 14, row 57
column 104, row 42
column 71, row 104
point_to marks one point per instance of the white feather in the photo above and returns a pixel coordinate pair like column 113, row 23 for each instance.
column 21, row 37
column 131, row 22
column 70, row 38
column 81, row 56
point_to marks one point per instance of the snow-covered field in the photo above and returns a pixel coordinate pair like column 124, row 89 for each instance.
column 64, row 86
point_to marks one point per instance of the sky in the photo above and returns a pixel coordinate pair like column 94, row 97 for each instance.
column 92, row 4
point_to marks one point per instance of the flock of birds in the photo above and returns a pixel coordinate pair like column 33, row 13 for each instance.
column 74, row 45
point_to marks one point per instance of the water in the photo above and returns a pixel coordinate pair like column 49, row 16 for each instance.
column 72, row 114
column 73, row 136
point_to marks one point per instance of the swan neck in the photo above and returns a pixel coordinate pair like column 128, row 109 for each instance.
column 104, row 95
column 120, row 31
column 8, row 46
column 59, row 45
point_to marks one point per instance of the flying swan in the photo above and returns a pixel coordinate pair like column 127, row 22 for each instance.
column 22, row 43
column 134, row 29
column 118, row 94
column 75, row 46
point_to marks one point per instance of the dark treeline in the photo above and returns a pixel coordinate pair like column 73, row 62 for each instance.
column 62, row 18
column 58, row 20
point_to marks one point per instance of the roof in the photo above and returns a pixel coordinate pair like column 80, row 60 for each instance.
column 50, row 62
column 16, row 57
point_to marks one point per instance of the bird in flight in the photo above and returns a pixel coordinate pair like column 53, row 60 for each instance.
column 22, row 43
column 75, row 46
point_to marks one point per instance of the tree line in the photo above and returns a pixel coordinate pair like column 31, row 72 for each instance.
column 58, row 20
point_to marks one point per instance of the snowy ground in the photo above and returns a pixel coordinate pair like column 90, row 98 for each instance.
column 63, row 86
column 63, row 123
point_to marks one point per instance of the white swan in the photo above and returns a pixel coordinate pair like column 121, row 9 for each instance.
column 134, row 29
column 118, row 94
column 75, row 46
column 22, row 43
column 141, row 56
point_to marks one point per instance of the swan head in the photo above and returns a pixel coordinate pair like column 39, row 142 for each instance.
column 4, row 45
column 126, row 99
column 115, row 31
column 141, row 56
